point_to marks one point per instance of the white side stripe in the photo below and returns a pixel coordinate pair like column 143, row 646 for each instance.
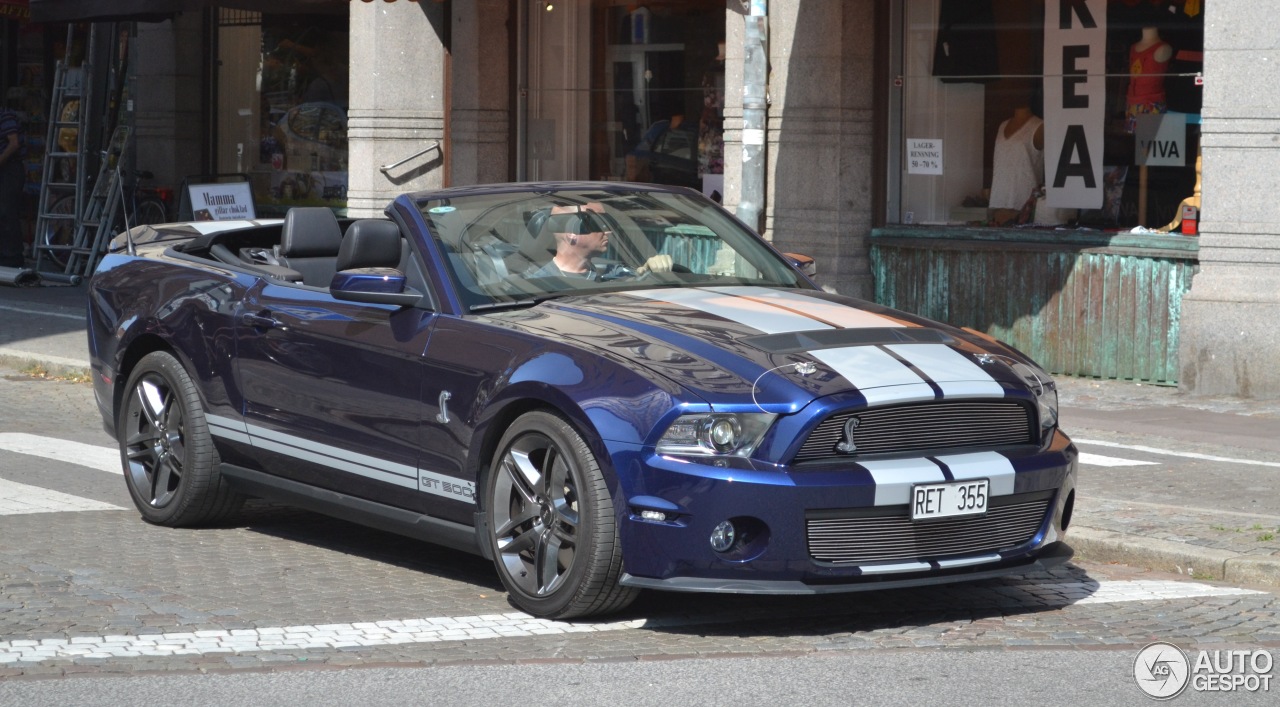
column 89, row 455
column 388, row 472
column 19, row 499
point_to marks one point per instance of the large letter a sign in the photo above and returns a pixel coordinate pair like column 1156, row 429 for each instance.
column 1075, row 42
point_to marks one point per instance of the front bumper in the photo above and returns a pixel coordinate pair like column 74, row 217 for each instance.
column 779, row 510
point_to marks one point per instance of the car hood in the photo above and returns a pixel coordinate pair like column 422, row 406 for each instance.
column 779, row 348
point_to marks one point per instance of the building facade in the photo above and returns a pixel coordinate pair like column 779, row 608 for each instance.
column 906, row 142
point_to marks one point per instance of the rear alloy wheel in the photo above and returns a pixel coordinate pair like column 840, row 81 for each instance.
column 551, row 521
column 170, row 464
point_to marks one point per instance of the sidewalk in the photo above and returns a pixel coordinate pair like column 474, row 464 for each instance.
column 1222, row 521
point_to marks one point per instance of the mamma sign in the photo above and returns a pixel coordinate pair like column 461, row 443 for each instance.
column 1075, row 42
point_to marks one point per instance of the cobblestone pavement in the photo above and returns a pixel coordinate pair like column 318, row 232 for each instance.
column 99, row 591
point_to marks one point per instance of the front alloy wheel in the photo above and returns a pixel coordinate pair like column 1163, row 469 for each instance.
column 170, row 464
column 552, row 529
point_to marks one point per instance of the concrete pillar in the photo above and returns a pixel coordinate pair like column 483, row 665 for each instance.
column 480, row 110
column 397, row 103
column 1230, row 329
column 168, row 123
column 820, row 133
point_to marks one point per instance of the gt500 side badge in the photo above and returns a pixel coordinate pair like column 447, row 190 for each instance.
column 447, row 486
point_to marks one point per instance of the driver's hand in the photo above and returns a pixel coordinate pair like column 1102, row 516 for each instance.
column 658, row 263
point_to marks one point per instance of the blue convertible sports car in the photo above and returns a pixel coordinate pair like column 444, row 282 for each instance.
column 601, row 387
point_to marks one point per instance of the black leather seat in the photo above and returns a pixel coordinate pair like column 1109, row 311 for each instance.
column 310, row 242
column 370, row 243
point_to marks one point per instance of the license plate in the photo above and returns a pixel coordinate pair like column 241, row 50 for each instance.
column 957, row 498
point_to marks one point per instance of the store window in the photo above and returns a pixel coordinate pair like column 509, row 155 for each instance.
column 641, row 100
column 282, row 107
column 1051, row 113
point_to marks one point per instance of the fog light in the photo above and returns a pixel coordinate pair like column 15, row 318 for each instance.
column 653, row 515
column 722, row 537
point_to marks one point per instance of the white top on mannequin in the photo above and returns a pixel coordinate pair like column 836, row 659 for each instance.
column 1017, row 163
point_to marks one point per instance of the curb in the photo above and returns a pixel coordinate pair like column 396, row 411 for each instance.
column 1165, row 556
column 55, row 365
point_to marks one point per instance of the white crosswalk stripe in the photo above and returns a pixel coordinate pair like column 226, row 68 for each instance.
column 20, row 499
column 1099, row 460
column 475, row 628
column 93, row 456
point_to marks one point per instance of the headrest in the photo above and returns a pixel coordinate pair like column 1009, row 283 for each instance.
column 310, row 232
column 370, row 243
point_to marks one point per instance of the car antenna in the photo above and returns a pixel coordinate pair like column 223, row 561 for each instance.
column 128, row 232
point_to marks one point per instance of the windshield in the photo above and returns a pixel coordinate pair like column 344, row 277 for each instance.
column 524, row 247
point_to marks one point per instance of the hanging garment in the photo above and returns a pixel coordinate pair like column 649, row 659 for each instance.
column 1017, row 166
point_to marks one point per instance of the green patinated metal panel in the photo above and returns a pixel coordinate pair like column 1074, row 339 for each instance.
column 1080, row 303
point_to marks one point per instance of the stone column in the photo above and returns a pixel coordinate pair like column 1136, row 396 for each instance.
column 397, row 103
column 168, row 124
column 819, row 136
column 1230, row 328
column 480, row 111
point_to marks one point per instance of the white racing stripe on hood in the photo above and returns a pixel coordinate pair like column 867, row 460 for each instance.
column 954, row 373
column 827, row 312
column 876, row 374
column 880, row 378
column 766, row 318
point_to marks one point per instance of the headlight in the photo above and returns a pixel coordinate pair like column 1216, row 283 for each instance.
column 1045, row 392
column 715, row 434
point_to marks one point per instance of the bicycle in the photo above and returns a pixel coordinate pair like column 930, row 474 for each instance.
column 141, row 206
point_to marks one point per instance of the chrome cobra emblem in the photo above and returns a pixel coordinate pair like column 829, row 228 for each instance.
column 846, row 445
column 443, row 416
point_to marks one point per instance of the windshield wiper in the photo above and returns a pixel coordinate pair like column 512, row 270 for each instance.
column 527, row 302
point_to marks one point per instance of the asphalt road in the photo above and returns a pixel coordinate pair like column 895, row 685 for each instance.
column 262, row 610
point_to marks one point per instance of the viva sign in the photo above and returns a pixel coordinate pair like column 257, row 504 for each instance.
column 1075, row 39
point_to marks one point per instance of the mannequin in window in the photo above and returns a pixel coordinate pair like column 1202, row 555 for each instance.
column 1017, row 163
column 1148, row 59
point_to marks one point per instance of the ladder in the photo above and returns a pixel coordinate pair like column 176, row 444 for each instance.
column 96, row 225
column 60, row 198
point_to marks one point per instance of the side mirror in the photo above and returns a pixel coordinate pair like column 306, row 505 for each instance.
column 372, row 286
column 804, row 263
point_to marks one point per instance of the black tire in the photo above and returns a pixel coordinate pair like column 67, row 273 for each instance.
column 552, row 529
column 170, row 464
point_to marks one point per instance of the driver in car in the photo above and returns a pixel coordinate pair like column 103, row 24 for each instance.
column 581, row 234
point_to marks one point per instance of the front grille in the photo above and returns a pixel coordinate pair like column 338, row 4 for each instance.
column 923, row 426
column 850, row 537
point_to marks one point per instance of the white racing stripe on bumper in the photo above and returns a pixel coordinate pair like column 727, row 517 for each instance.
column 895, row 477
column 982, row 465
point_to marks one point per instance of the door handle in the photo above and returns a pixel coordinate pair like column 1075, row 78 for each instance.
column 261, row 320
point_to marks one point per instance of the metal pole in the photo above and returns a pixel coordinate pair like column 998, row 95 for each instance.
column 754, row 112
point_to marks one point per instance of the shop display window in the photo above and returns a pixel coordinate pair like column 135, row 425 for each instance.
column 1049, row 113
column 282, row 107
column 642, row 100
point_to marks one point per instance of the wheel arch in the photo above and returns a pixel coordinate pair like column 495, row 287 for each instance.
column 138, row 349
